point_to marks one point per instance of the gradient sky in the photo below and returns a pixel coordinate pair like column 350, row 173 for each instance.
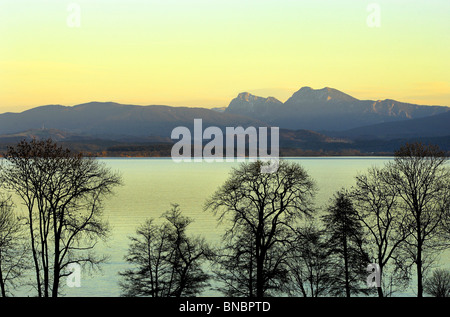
column 205, row 52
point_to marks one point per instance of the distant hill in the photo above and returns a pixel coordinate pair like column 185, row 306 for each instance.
column 113, row 120
column 304, row 137
column 301, row 141
column 219, row 109
column 253, row 106
column 64, row 136
column 310, row 121
column 54, row 134
column 320, row 110
column 433, row 126
column 326, row 109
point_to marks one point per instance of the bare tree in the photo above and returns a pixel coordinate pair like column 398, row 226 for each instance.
column 422, row 180
column 13, row 250
column 63, row 194
column 262, row 208
column 146, row 252
column 167, row 262
column 438, row 284
column 376, row 203
column 311, row 267
column 234, row 266
column 345, row 241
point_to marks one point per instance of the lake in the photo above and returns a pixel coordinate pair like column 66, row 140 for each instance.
column 150, row 185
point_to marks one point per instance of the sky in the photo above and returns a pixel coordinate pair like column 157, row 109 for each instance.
column 205, row 52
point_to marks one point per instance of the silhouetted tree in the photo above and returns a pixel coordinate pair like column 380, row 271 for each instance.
column 262, row 210
column 438, row 284
column 422, row 180
column 311, row 267
column 13, row 250
column 63, row 193
column 345, row 240
column 235, row 267
column 167, row 262
column 378, row 210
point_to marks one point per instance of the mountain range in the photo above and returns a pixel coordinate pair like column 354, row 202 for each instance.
column 112, row 120
column 310, row 119
column 326, row 109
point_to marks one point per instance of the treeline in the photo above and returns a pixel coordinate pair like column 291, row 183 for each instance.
column 117, row 149
column 164, row 150
column 276, row 242
column 395, row 222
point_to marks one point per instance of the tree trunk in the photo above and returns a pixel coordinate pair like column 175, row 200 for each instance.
column 419, row 254
column 347, row 282
column 250, row 278
column 259, row 256
column 2, row 283
column 56, row 270
column 379, row 289
column 35, row 256
column 380, row 292
column 57, row 229
column 55, row 288
column 259, row 275
column 419, row 272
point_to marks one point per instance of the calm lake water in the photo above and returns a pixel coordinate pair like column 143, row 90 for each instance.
column 151, row 185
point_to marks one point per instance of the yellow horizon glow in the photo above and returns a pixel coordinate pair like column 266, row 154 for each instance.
column 204, row 52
